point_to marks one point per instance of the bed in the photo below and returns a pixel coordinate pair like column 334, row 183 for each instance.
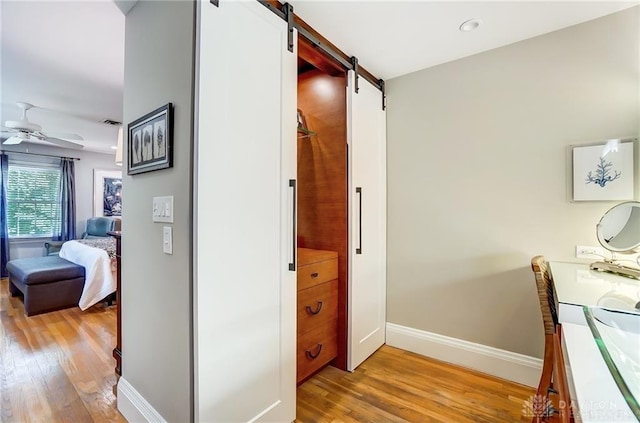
column 97, row 256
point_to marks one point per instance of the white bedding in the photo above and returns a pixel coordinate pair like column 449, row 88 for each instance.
column 99, row 277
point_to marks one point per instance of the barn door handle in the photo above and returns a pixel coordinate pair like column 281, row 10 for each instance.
column 292, row 264
column 314, row 356
column 359, row 192
column 316, row 311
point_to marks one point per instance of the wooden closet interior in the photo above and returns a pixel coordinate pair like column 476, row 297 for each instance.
column 322, row 225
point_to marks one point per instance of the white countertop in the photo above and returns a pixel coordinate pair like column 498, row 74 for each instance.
column 576, row 284
column 593, row 389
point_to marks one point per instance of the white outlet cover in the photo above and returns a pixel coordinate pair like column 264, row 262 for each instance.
column 167, row 240
column 590, row 252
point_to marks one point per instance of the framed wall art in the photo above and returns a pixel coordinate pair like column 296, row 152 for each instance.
column 107, row 192
column 603, row 172
column 150, row 141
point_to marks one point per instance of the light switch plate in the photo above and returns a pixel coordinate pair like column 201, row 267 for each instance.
column 162, row 209
column 167, row 240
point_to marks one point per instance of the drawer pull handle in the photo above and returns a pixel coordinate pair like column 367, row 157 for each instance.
column 314, row 356
column 314, row 275
column 316, row 311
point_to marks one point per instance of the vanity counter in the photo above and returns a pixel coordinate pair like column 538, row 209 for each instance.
column 578, row 286
column 594, row 395
column 593, row 390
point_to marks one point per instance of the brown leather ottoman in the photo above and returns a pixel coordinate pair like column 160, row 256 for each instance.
column 47, row 283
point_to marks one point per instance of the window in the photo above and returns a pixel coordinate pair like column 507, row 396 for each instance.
column 33, row 208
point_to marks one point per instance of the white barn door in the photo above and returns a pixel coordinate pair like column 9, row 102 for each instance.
column 245, row 291
column 367, row 235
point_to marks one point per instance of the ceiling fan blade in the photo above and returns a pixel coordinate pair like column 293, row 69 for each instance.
column 13, row 141
column 63, row 143
column 65, row 135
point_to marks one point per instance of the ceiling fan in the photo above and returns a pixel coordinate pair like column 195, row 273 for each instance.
column 17, row 131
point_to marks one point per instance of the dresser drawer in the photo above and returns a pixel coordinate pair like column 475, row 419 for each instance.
column 317, row 305
column 316, row 348
column 317, row 273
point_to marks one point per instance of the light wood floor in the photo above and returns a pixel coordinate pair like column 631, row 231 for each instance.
column 394, row 385
column 57, row 367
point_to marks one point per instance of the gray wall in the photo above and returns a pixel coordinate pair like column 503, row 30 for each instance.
column 84, row 190
column 478, row 175
column 156, row 288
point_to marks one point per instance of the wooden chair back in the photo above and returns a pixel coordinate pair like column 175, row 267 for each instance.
column 546, row 294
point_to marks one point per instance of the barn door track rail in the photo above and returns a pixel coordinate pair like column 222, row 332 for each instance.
column 285, row 12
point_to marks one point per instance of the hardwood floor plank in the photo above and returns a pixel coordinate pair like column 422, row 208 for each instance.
column 389, row 393
column 398, row 386
column 57, row 367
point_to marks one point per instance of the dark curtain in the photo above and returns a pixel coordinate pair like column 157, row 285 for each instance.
column 4, row 230
column 67, row 201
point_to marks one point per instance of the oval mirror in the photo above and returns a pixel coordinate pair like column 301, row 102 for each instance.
column 619, row 228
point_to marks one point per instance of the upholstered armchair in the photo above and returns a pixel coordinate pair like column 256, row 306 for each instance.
column 97, row 227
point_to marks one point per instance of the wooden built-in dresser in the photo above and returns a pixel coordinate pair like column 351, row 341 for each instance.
column 317, row 310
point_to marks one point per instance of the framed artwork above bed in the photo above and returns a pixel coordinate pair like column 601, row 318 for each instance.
column 107, row 192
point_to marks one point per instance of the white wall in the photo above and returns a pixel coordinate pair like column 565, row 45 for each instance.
column 84, row 190
column 156, row 287
column 478, row 175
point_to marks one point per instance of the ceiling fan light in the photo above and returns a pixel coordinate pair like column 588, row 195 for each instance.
column 27, row 131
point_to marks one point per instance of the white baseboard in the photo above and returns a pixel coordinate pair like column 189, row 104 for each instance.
column 507, row 365
column 134, row 407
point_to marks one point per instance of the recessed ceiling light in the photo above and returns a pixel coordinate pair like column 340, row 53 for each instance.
column 114, row 147
column 470, row 25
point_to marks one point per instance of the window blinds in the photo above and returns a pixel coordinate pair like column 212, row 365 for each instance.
column 33, row 200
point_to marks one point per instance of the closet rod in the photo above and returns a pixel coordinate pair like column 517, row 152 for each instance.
column 322, row 43
column 37, row 154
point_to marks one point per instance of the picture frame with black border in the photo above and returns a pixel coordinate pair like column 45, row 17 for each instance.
column 150, row 141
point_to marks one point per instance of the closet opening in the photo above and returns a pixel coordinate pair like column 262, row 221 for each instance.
column 322, row 231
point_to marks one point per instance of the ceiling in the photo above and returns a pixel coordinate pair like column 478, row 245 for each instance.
column 393, row 38
column 68, row 57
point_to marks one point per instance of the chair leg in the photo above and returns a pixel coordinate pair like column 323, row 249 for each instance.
column 547, row 366
column 560, row 376
column 547, row 374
